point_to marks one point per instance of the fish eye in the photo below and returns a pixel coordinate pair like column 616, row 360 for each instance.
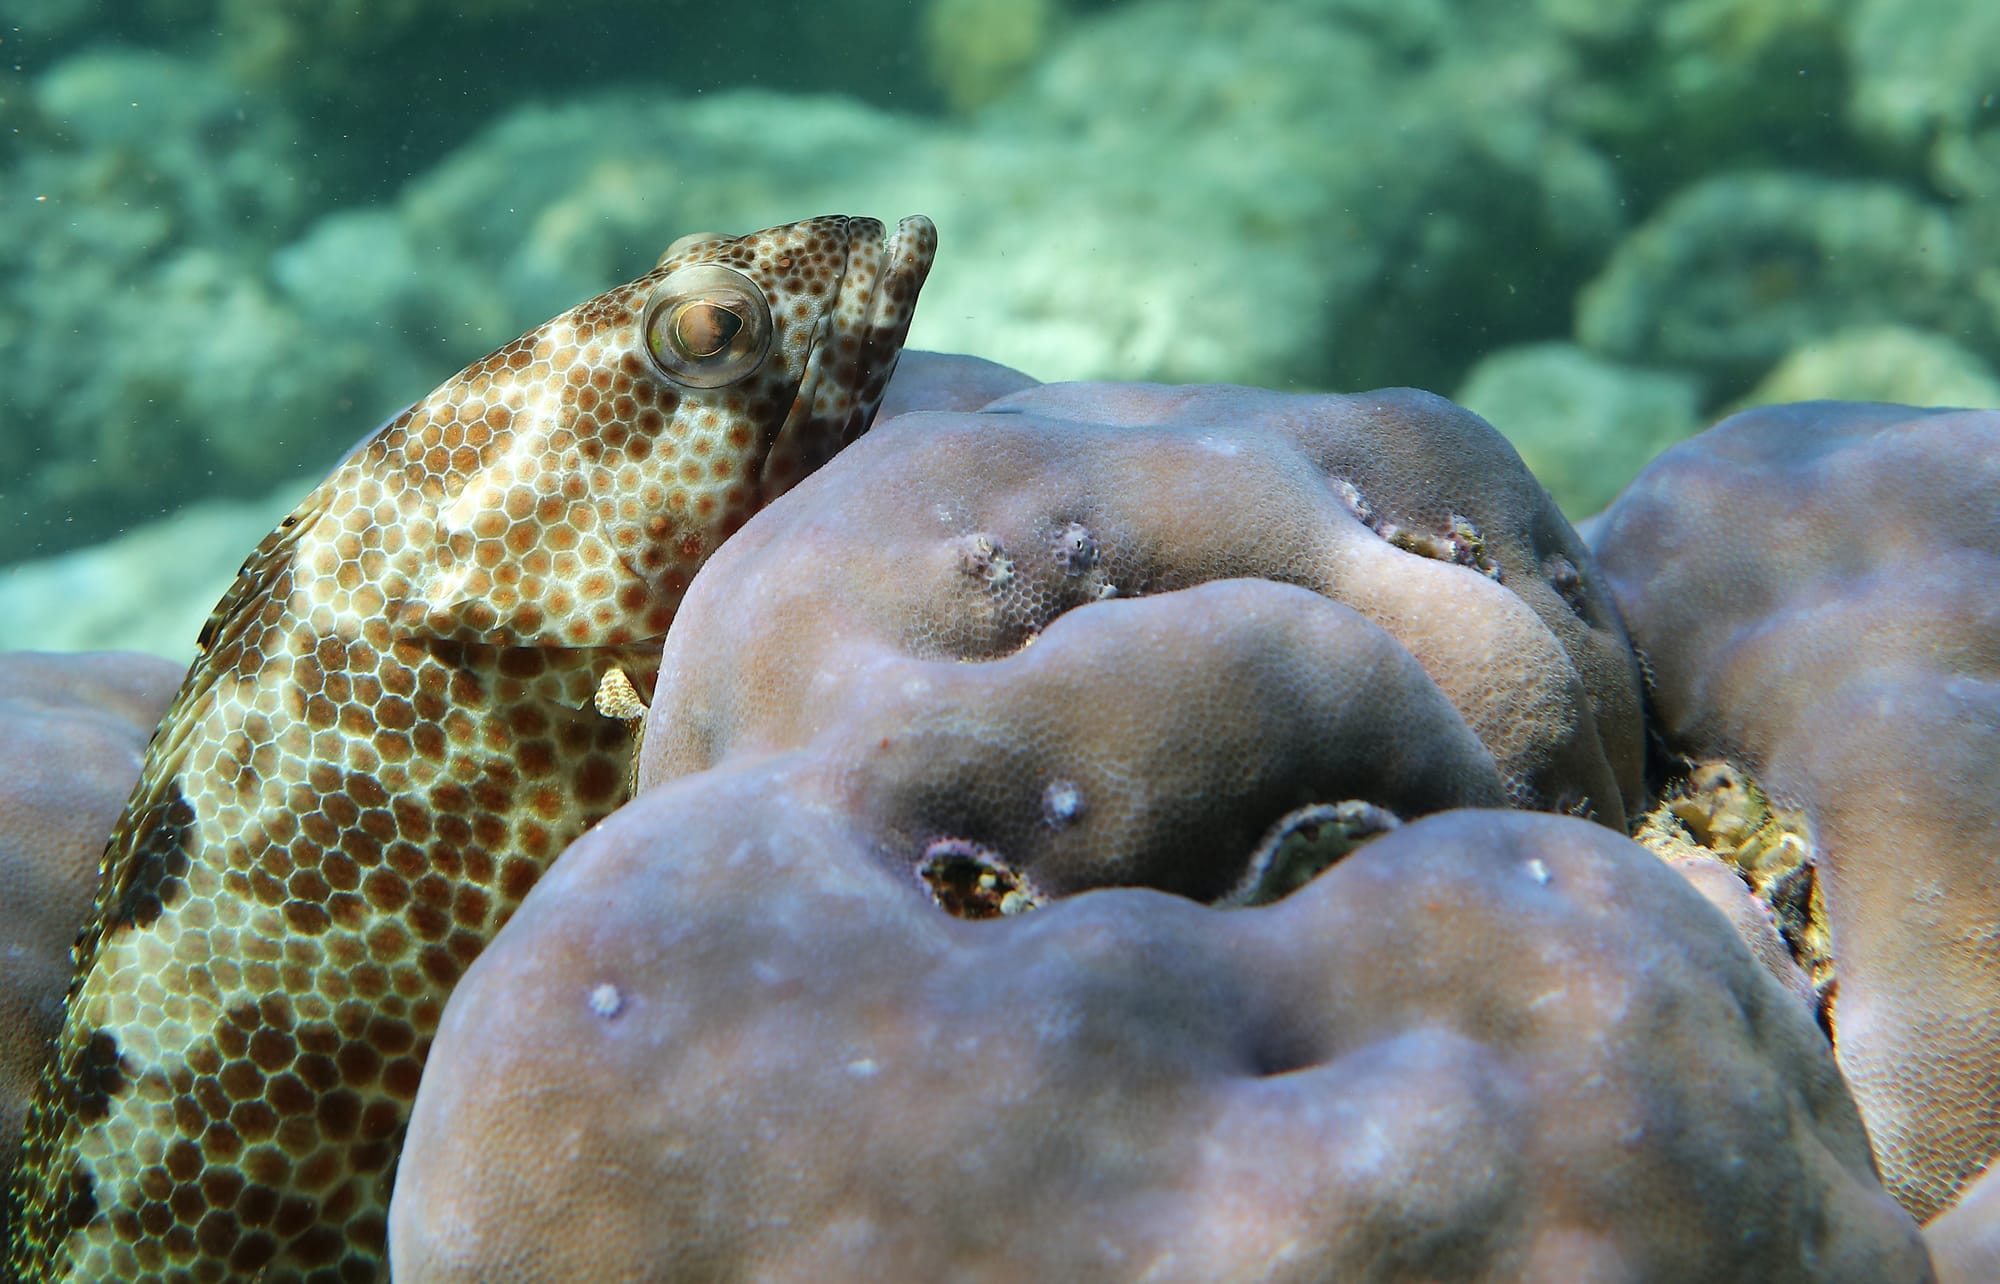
column 707, row 325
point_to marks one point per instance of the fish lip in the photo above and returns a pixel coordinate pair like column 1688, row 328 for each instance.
column 912, row 248
column 886, row 305
column 856, row 349
column 897, row 263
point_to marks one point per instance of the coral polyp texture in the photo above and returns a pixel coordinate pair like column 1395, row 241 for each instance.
column 1097, row 755
column 876, row 977
column 1965, row 1239
column 1816, row 591
column 727, row 1038
column 945, row 538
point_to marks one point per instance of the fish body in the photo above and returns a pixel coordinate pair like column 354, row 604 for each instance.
column 389, row 734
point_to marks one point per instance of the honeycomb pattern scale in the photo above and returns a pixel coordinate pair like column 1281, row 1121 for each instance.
column 389, row 734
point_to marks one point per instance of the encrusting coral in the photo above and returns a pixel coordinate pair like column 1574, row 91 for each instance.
column 1718, row 872
column 1816, row 590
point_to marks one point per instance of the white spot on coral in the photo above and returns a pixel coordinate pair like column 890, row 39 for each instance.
column 1538, row 871
column 1369, row 1155
column 605, row 1000
column 983, row 557
column 1076, row 549
column 1062, row 802
column 1351, row 500
column 864, row 1068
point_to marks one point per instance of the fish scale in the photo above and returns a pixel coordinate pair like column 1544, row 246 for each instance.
column 390, row 732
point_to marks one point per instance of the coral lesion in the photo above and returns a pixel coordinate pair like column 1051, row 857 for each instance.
column 1717, row 810
column 1304, row 844
column 970, row 881
column 1460, row 542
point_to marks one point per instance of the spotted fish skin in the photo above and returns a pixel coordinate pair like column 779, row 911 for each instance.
column 389, row 734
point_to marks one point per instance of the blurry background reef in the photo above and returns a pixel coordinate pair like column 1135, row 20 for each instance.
column 236, row 234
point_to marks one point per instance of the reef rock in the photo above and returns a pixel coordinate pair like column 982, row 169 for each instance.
column 1880, row 363
column 1584, row 425
column 1356, row 162
column 1736, row 271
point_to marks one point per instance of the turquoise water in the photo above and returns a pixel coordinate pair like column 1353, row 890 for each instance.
column 237, row 234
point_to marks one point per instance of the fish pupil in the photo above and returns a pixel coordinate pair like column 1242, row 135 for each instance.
column 704, row 329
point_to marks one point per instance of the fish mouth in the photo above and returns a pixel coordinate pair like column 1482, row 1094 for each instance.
column 899, row 265
column 877, row 302
column 850, row 366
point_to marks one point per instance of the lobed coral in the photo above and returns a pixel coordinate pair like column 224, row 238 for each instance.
column 1964, row 1241
column 1813, row 588
column 1488, row 1045
column 878, row 970
column 975, row 531
column 1130, row 743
